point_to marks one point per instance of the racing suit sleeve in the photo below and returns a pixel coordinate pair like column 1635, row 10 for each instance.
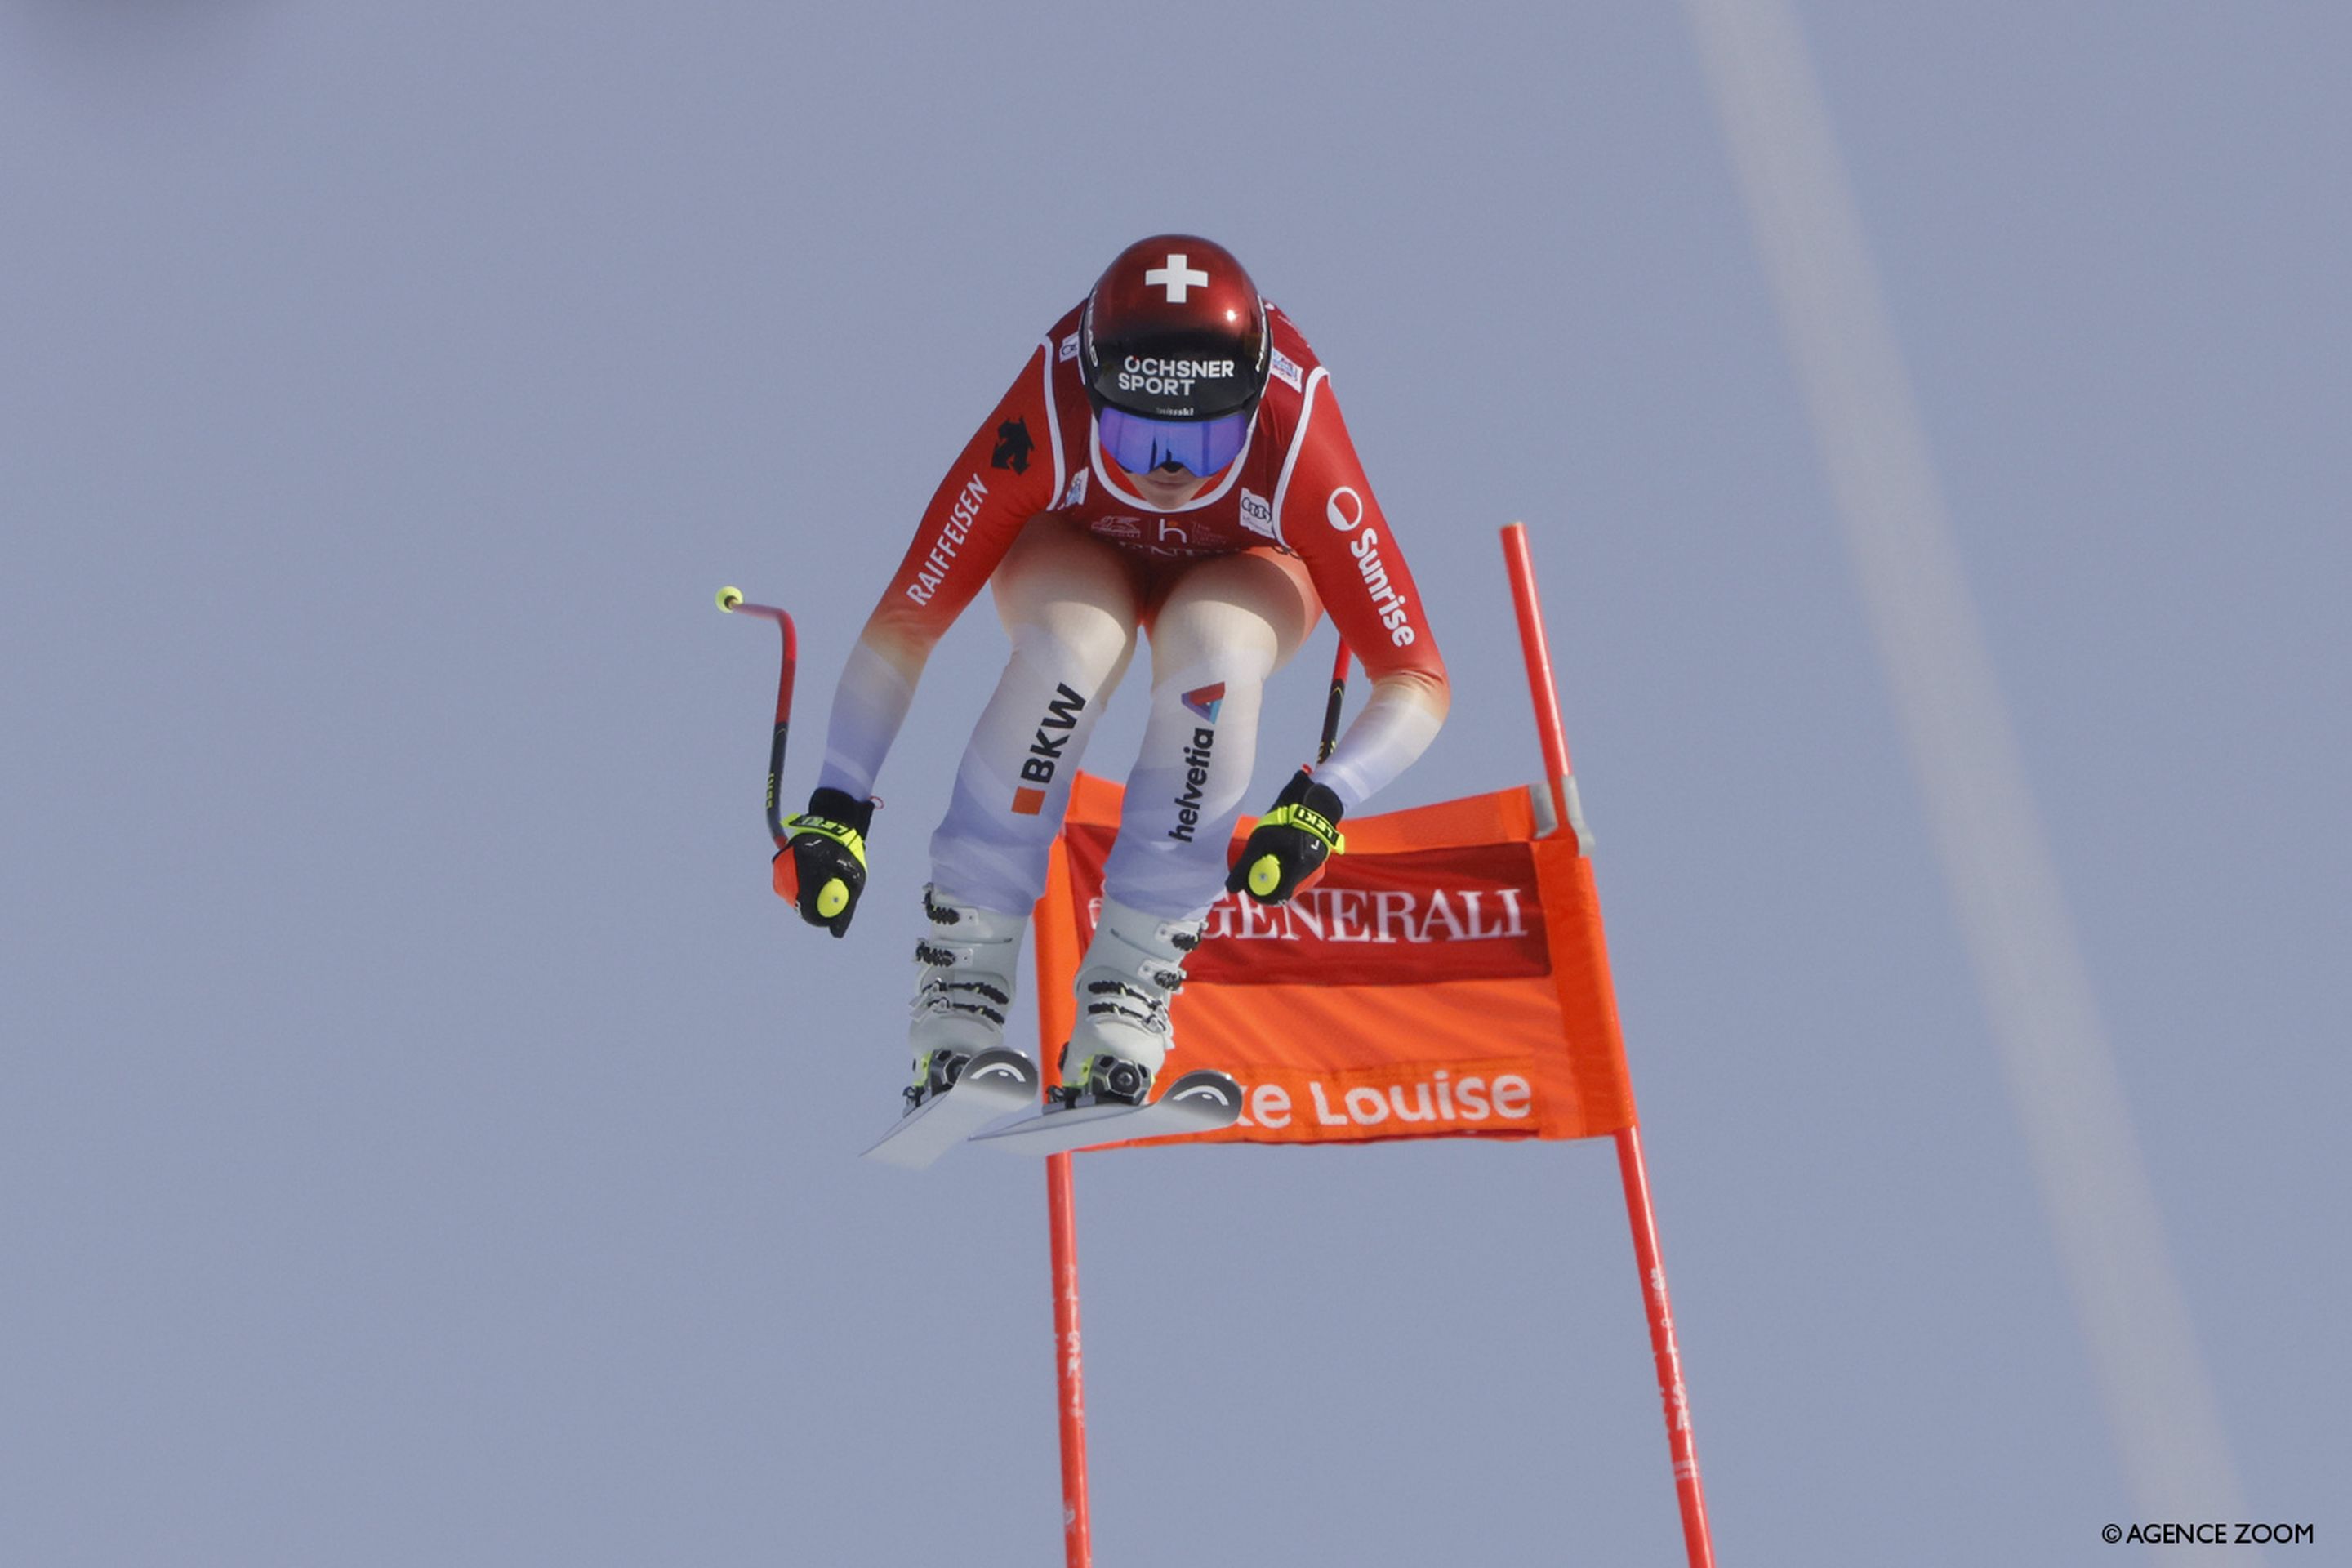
column 1008, row 472
column 1328, row 516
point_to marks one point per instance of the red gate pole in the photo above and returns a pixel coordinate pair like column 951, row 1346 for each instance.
column 1057, row 963
column 1696, row 1539
column 1070, row 1385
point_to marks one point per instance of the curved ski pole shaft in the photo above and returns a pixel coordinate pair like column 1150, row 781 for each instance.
column 731, row 599
column 1331, row 708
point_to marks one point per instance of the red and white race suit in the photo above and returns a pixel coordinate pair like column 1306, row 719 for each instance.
column 1296, row 501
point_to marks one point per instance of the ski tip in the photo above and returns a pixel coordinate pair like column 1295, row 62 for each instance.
column 728, row 597
column 1206, row 1087
column 1002, row 1065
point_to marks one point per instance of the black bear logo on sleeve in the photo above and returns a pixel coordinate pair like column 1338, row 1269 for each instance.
column 1012, row 446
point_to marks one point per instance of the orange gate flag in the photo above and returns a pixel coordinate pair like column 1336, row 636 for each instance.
column 1446, row 978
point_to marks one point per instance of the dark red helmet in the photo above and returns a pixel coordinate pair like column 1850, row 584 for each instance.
column 1175, row 331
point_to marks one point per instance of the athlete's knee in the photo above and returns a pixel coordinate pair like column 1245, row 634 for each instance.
column 1235, row 646
column 1199, row 746
column 1083, row 651
column 1224, row 691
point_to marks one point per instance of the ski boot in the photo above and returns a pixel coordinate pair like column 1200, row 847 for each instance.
column 1132, row 968
column 966, row 987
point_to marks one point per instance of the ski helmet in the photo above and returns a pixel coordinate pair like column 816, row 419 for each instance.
column 1175, row 348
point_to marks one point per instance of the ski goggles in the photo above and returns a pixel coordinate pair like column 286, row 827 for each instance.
column 1140, row 444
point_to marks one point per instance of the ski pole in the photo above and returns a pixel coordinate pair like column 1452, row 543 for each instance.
column 731, row 599
column 1331, row 708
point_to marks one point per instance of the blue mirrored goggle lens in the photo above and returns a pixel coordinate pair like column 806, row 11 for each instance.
column 1140, row 445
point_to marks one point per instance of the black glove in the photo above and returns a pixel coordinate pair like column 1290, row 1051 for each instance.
column 1287, row 847
column 827, row 844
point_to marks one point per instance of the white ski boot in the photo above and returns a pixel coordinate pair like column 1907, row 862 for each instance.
column 968, row 959
column 1132, row 968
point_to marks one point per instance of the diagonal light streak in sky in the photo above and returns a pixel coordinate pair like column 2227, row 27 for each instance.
column 2060, row 1072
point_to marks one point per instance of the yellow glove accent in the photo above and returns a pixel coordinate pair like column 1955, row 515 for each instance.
column 832, row 897
column 1313, row 822
column 1265, row 874
column 841, row 833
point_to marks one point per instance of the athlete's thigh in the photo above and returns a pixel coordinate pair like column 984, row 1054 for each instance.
column 1064, row 580
column 1256, row 600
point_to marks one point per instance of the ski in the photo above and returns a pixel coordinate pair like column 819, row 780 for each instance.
column 997, row 1081
column 1201, row 1101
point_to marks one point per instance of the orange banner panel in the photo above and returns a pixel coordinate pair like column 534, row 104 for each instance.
column 1446, row 978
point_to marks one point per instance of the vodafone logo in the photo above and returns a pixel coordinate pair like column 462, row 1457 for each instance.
column 1345, row 509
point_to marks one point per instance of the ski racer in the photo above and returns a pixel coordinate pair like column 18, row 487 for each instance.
column 1171, row 460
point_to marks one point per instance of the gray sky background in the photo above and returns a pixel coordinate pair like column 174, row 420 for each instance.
column 422, row 1136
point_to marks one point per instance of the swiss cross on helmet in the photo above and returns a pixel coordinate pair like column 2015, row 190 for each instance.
column 1175, row 348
